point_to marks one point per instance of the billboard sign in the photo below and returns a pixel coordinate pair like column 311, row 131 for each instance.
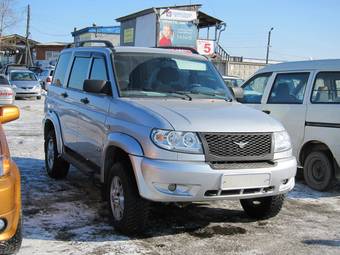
column 177, row 33
column 178, row 15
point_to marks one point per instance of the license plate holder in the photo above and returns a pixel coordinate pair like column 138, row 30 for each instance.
column 245, row 181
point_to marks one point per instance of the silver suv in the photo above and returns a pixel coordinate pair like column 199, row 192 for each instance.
column 160, row 125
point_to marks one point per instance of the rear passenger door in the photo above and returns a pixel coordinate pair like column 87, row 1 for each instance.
column 92, row 114
column 72, row 98
column 286, row 102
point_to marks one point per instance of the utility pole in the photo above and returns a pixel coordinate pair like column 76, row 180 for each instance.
column 27, row 49
column 268, row 44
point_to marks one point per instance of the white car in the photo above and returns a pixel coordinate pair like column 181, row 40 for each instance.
column 7, row 94
column 25, row 83
column 46, row 77
column 305, row 97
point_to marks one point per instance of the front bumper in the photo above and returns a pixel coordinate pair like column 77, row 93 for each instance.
column 27, row 92
column 10, row 206
column 198, row 181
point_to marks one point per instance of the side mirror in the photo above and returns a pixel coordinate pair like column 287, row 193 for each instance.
column 238, row 92
column 9, row 113
column 97, row 86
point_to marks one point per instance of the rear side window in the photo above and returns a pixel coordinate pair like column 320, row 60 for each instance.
column 98, row 70
column 3, row 81
column 79, row 72
column 60, row 72
column 288, row 88
column 254, row 88
column 326, row 88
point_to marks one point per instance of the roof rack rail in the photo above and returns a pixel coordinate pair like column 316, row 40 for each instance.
column 81, row 43
column 179, row 48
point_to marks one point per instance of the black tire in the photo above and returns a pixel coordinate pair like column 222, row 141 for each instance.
column 136, row 209
column 318, row 170
column 38, row 97
column 12, row 245
column 264, row 207
column 58, row 167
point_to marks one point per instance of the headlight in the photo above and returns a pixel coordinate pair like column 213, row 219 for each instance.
column 187, row 142
column 14, row 86
column 281, row 141
column 4, row 165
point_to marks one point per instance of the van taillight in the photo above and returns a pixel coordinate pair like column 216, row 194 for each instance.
column 48, row 79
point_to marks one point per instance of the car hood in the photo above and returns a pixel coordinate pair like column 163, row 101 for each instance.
column 21, row 84
column 209, row 115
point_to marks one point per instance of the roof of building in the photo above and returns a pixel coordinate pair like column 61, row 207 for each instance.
column 20, row 37
column 324, row 64
column 52, row 44
column 98, row 29
column 205, row 20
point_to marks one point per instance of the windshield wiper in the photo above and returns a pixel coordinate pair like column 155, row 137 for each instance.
column 181, row 94
column 212, row 94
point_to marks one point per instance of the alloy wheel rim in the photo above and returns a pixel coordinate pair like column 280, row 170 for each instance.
column 117, row 198
column 50, row 153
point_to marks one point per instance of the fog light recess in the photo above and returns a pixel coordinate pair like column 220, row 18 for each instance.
column 2, row 225
column 172, row 187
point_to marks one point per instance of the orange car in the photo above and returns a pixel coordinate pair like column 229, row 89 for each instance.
column 10, row 196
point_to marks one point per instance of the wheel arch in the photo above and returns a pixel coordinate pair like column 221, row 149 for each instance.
column 51, row 121
column 314, row 145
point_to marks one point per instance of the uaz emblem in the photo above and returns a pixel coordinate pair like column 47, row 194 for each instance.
column 241, row 144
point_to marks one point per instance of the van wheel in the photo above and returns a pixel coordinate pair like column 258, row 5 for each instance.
column 129, row 210
column 263, row 207
column 12, row 245
column 56, row 167
column 318, row 171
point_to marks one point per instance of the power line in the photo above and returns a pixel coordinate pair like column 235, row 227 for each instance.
column 49, row 34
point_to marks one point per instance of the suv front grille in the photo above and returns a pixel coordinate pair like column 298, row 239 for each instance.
column 237, row 146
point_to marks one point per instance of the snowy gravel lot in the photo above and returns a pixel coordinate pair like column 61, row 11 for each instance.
column 68, row 216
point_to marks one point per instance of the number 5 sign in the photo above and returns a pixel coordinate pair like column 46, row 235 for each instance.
column 205, row 47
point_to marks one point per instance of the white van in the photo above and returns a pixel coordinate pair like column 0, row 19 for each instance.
column 305, row 97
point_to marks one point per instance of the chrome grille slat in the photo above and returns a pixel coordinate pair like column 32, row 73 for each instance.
column 226, row 146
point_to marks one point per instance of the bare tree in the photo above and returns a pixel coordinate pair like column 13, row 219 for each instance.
column 7, row 15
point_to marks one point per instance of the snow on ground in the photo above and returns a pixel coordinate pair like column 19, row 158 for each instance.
column 69, row 217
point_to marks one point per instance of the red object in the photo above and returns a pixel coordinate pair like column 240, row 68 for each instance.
column 48, row 79
column 165, row 41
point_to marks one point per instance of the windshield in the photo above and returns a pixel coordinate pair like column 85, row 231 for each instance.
column 23, row 76
column 166, row 75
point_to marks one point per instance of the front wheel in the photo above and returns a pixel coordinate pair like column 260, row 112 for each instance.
column 56, row 167
column 129, row 210
column 318, row 171
column 263, row 207
column 12, row 245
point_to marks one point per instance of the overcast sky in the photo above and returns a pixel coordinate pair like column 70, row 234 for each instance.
column 304, row 29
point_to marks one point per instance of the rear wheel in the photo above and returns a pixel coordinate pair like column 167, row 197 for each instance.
column 129, row 210
column 12, row 245
column 318, row 170
column 263, row 207
column 56, row 167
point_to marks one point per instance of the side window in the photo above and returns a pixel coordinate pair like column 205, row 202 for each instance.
column 60, row 71
column 254, row 88
column 79, row 72
column 288, row 88
column 98, row 70
column 326, row 88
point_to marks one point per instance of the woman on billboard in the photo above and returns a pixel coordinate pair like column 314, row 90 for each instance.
column 165, row 37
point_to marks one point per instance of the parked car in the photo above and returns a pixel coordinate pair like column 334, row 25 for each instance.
column 10, row 194
column 25, row 83
column 305, row 97
column 7, row 94
column 233, row 81
column 45, row 78
column 161, row 126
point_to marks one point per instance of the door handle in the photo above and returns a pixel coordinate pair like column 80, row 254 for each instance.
column 85, row 100
column 64, row 95
column 266, row 111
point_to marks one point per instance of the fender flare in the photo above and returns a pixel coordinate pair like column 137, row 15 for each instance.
column 124, row 142
column 53, row 117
